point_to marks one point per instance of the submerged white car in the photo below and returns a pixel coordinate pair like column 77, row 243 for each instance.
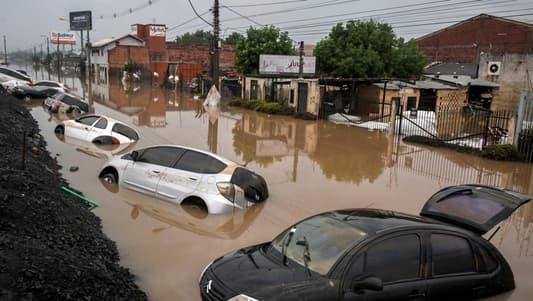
column 98, row 129
column 185, row 175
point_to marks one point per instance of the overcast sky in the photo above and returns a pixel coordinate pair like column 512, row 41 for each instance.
column 24, row 21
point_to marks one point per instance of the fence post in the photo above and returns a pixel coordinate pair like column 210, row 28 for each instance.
column 486, row 131
column 520, row 118
column 393, row 112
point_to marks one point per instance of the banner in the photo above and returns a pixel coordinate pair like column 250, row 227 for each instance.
column 80, row 20
column 158, row 30
column 65, row 38
column 285, row 64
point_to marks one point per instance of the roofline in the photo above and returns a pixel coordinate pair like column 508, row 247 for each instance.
column 483, row 15
column 117, row 39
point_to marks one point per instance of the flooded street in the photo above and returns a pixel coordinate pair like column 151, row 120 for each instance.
column 310, row 167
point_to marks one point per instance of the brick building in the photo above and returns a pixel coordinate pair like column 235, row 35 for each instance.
column 465, row 41
column 147, row 51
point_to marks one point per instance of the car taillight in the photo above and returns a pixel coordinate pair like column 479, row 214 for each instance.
column 114, row 140
column 57, row 104
column 30, row 84
column 227, row 190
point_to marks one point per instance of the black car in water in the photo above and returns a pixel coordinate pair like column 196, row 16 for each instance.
column 370, row 254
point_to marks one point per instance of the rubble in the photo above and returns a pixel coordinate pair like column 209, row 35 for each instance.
column 51, row 246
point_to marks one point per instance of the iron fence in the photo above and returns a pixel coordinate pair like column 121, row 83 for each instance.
column 458, row 125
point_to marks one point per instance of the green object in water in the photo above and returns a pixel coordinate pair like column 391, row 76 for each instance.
column 84, row 198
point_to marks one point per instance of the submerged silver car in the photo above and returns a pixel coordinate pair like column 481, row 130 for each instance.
column 187, row 176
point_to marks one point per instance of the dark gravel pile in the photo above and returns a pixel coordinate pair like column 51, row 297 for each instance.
column 51, row 246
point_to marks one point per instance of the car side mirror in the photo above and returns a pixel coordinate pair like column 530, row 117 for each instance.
column 368, row 283
column 134, row 155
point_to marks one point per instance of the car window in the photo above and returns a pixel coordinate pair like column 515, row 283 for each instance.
column 451, row 255
column 87, row 120
column 162, row 155
column 394, row 259
column 125, row 131
column 58, row 96
column 192, row 161
column 101, row 124
column 490, row 262
column 212, row 165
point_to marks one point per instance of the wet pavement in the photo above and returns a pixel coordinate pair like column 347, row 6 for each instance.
column 310, row 167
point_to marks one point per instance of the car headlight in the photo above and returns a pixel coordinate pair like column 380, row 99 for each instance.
column 242, row 297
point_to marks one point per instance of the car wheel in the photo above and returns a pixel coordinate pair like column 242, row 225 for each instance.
column 109, row 177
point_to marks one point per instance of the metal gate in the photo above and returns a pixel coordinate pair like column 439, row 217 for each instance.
column 523, row 139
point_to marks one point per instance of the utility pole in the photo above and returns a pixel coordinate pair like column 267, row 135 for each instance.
column 48, row 56
column 58, row 59
column 5, row 51
column 301, row 64
column 216, row 42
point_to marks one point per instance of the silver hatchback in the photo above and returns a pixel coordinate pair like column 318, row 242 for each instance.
column 187, row 176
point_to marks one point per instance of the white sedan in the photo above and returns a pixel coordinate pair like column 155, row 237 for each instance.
column 188, row 176
column 98, row 129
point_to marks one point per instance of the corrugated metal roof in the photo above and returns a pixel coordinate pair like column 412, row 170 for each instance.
column 453, row 69
column 430, row 84
column 462, row 80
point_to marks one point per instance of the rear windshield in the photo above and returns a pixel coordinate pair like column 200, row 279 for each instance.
column 125, row 131
column 59, row 96
column 471, row 207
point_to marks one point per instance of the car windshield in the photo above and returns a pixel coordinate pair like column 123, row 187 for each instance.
column 58, row 96
column 318, row 242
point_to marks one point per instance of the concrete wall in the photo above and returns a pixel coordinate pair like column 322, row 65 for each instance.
column 513, row 78
column 465, row 41
column 313, row 95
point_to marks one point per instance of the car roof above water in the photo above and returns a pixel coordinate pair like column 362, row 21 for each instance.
column 373, row 221
column 224, row 160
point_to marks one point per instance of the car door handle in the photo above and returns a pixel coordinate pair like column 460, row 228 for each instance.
column 193, row 179
column 155, row 171
column 416, row 294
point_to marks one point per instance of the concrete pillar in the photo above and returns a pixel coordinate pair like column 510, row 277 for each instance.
column 395, row 105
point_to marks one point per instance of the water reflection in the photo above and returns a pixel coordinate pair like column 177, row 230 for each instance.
column 99, row 151
column 190, row 218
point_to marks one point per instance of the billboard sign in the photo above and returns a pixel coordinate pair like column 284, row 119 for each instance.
column 80, row 20
column 158, row 30
column 62, row 38
column 285, row 64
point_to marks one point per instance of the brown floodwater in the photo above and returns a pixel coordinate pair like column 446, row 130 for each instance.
column 310, row 167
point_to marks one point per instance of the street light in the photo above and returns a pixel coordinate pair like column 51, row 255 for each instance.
column 60, row 18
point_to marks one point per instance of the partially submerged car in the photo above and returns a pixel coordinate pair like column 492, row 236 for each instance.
column 370, row 254
column 98, row 129
column 15, row 74
column 181, row 174
column 66, row 103
column 40, row 89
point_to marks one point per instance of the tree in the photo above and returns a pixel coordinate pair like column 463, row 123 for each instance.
column 368, row 49
column 198, row 37
column 265, row 40
column 233, row 38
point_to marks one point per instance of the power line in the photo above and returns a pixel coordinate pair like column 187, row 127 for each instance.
column 199, row 16
column 128, row 11
column 265, row 3
column 237, row 13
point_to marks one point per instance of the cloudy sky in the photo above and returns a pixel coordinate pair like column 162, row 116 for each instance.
column 23, row 22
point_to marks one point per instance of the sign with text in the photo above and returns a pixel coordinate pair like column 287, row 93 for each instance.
column 62, row 38
column 158, row 30
column 81, row 20
column 285, row 64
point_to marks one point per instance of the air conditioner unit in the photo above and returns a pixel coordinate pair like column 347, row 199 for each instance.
column 494, row 68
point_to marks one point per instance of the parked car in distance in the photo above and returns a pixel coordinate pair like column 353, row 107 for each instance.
column 60, row 87
column 25, row 91
column 185, row 175
column 98, row 129
column 371, row 254
column 9, row 83
column 15, row 74
column 66, row 103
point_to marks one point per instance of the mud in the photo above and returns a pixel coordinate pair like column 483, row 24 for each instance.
column 51, row 246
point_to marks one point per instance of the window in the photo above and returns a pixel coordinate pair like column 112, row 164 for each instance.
column 490, row 263
column 192, row 161
column 451, row 255
column 163, row 156
column 213, row 165
column 125, row 131
column 394, row 259
column 101, row 124
column 87, row 120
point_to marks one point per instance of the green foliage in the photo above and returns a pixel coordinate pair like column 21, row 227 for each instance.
column 502, row 152
column 265, row 40
column 274, row 108
column 367, row 49
column 198, row 37
column 233, row 38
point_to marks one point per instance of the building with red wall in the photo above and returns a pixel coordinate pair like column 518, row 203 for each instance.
column 465, row 41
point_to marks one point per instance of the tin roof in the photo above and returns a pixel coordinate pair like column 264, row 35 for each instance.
column 107, row 41
column 467, row 69
column 462, row 80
